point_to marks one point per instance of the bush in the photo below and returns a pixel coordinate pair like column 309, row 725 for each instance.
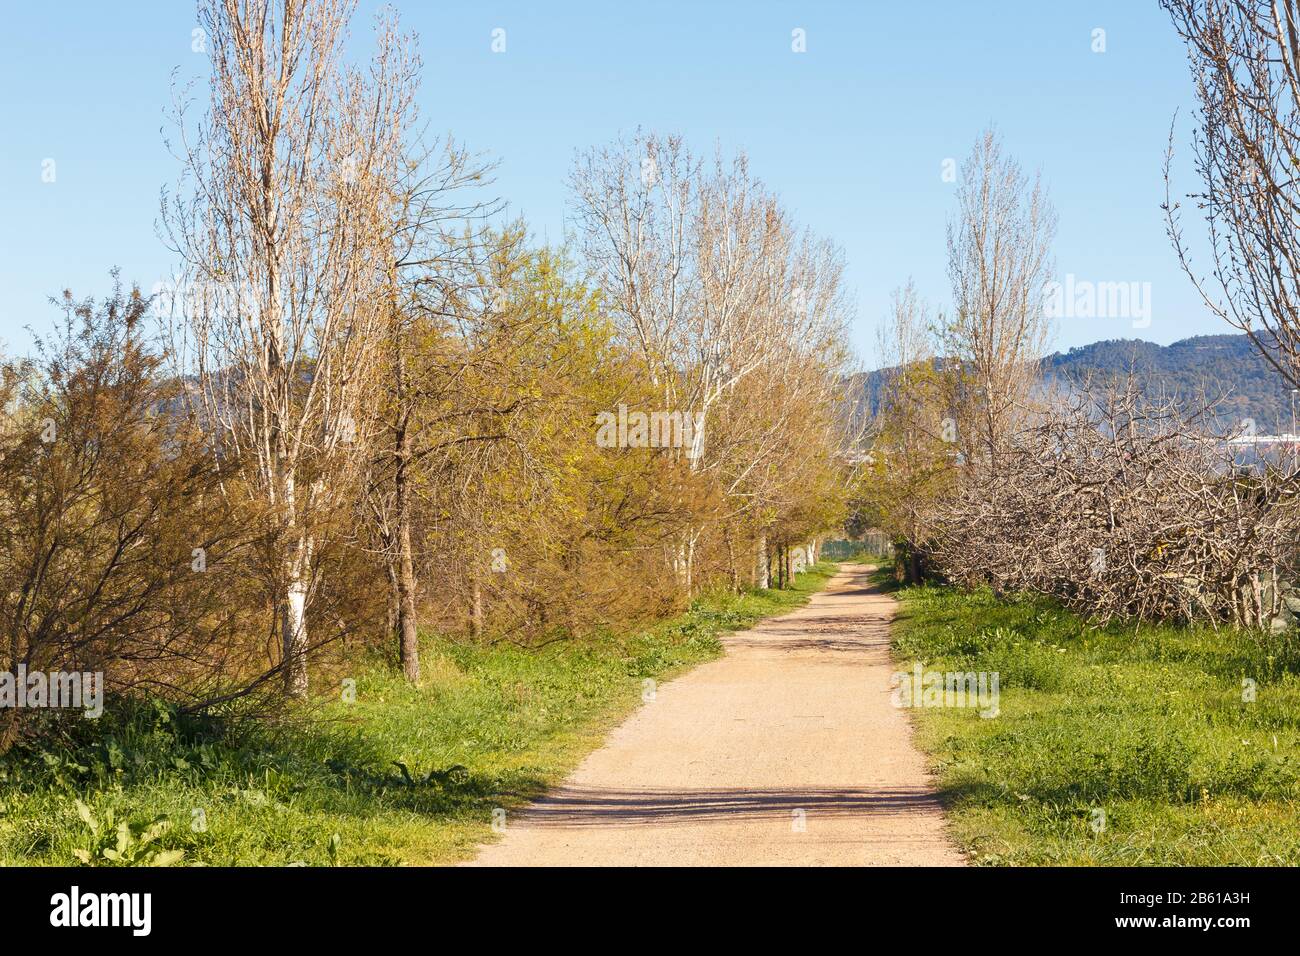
column 120, row 554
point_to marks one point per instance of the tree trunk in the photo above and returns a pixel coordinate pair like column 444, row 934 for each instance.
column 293, row 603
column 410, row 637
column 683, row 558
column 476, row 608
column 690, row 562
column 293, row 621
column 732, row 570
column 408, row 632
column 913, row 566
column 391, row 566
column 761, row 573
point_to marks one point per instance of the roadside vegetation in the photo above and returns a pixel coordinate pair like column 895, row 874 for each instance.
column 368, row 407
column 1115, row 745
column 1124, row 562
column 401, row 775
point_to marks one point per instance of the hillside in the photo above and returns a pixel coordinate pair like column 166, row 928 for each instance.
column 1223, row 367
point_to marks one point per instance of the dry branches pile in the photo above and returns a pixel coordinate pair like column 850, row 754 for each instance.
column 1127, row 510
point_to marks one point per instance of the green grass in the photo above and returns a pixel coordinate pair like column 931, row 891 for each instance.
column 865, row 556
column 491, row 727
column 1146, row 725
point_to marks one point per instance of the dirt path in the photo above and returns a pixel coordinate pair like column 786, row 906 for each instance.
column 785, row 751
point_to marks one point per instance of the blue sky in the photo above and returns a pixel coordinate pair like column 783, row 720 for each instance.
column 852, row 134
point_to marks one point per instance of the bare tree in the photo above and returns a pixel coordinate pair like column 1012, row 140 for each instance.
column 633, row 205
column 998, row 261
column 711, row 285
column 283, row 225
column 1245, row 62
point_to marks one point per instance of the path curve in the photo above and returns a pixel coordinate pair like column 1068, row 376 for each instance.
column 785, row 751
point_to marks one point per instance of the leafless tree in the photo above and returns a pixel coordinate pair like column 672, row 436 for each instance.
column 709, row 282
column 1245, row 62
column 999, row 248
column 633, row 204
column 283, row 224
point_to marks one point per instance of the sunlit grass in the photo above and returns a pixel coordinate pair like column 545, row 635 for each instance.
column 402, row 775
column 1116, row 746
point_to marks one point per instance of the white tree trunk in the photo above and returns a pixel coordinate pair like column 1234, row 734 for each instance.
column 763, row 581
column 293, row 606
column 294, row 625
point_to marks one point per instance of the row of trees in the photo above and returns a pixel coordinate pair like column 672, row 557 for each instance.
column 370, row 407
column 1118, row 504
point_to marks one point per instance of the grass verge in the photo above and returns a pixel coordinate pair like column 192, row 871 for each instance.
column 403, row 775
column 1114, row 745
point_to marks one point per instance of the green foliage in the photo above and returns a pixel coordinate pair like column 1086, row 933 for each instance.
column 128, row 843
column 1113, row 745
column 402, row 775
column 1195, row 370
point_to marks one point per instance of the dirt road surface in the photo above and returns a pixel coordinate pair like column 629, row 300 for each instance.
column 785, row 751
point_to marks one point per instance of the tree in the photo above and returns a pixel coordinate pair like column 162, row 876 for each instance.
column 435, row 253
column 283, row 228
column 911, row 463
column 463, row 376
column 998, row 261
column 708, row 282
column 1127, row 508
column 118, row 553
column 1245, row 62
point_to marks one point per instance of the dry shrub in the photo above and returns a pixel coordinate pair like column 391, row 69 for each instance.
column 119, row 553
column 1125, row 508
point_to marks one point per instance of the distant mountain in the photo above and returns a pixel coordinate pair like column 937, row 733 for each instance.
column 1224, row 367
column 1227, row 368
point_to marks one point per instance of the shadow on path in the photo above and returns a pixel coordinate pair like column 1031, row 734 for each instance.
column 574, row 806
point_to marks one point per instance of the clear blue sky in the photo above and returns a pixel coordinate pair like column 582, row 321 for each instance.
column 851, row 134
